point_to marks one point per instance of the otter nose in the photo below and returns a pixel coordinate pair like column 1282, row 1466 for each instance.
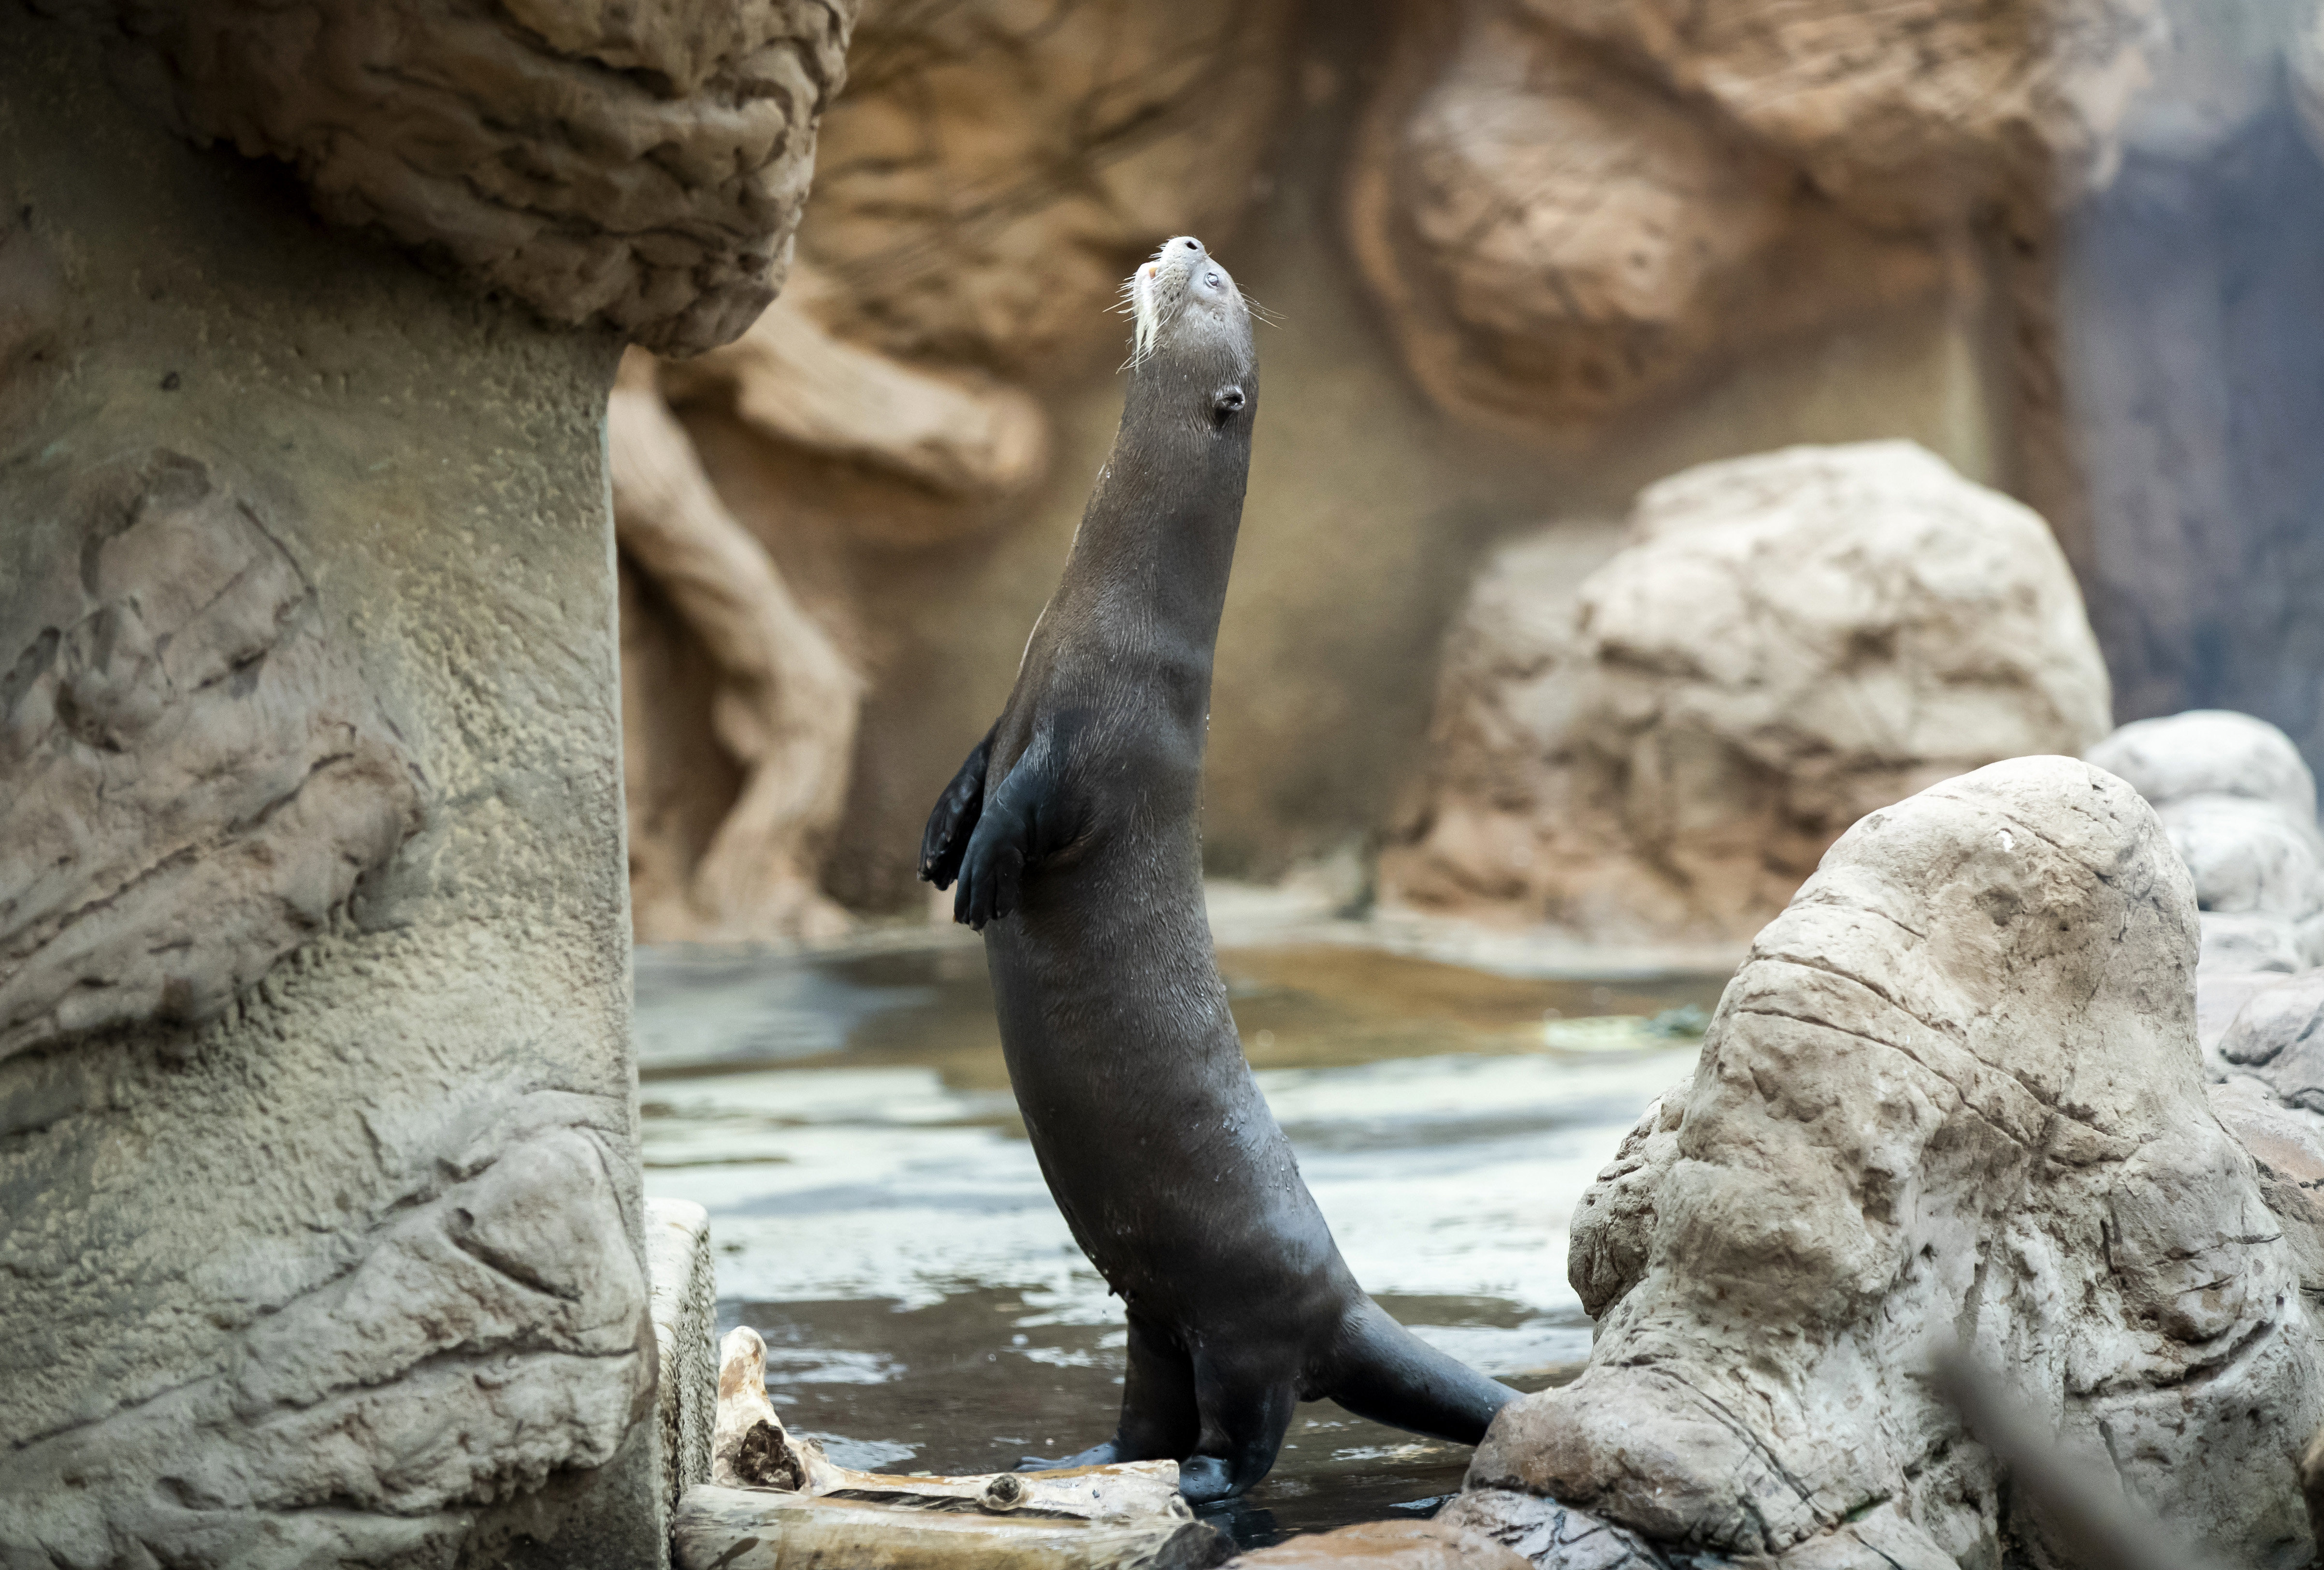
column 1193, row 246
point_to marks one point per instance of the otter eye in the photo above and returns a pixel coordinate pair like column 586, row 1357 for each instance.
column 1230, row 399
column 1212, row 279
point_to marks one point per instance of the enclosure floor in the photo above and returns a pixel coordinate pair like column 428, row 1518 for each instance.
column 846, row 1119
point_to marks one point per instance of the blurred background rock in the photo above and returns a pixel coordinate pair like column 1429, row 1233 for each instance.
column 1528, row 260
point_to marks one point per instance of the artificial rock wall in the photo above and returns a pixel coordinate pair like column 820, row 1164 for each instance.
column 317, row 1117
column 1528, row 260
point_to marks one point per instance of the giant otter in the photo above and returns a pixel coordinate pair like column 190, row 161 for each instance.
column 1072, row 832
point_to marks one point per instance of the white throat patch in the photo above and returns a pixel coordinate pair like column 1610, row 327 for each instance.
column 1144, row 311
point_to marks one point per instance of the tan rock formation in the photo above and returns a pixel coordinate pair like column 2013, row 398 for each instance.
column 1784, row 644
column 1954, row 1093
column 784, row 707
column 740, row 860
column 996, row 170
column 1559, row 239
column 639, row 166
column 1989, row 102
column 199, row 770
column 792, row 381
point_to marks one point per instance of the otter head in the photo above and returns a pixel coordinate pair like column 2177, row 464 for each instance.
column 1191, row 319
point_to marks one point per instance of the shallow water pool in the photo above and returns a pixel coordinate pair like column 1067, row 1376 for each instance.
column 879, row 1217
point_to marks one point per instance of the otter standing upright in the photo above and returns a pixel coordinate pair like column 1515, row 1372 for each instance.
column 1072, row 829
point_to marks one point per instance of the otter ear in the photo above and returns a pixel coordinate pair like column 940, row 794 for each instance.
column 1226, row 404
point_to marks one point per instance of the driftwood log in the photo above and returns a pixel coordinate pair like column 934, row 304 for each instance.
column 788, row 699
column 777, row 1503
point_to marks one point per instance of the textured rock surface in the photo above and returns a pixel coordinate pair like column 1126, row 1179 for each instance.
column 1991, row 102
column 1387, row 1546
column 683, row 1277
column 1784, row 644
column 996, row 170
column 1559, row 239
column 1954, row 1092
column 1543, row 1532
column 784, row 709
column 640, row 166
column 198, row 773
column 794, row 381
column 1570, row 212
column 2277, row 1037
column 2240, row 807
column 333, row 1255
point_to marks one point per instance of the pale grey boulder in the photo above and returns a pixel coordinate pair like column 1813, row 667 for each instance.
column 2209, row 751
column 2239, row 805
column 1954, row 1093
column 2287, row 1144
column 2277, row 1037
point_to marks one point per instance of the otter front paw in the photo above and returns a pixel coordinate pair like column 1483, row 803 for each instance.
column 990, row 874
column 945, row 839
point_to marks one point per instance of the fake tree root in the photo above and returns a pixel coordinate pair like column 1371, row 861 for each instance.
column 751, row 1448
column 776, row 1503
column 794, row 383
column 788, row 699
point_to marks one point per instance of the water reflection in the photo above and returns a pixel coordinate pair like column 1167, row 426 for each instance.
column 880, row 1219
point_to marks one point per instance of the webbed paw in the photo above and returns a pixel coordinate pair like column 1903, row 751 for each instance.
column 990, row 874
column 953, row 820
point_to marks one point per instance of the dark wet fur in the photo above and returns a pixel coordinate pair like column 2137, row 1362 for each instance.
column 1072, row 830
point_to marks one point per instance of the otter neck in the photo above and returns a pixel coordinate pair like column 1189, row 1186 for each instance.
column 1157, row 540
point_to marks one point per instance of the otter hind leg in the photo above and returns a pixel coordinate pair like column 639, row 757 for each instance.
column 1386, row 1373
column 1245, row 1410
column 1159, row 1421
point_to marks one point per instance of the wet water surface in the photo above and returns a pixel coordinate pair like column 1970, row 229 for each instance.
column 879, row 1219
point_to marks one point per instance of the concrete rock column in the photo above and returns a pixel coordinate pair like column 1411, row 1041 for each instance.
column 320, row 1231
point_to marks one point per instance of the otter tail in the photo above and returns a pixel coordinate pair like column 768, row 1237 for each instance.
column 1386, row 1373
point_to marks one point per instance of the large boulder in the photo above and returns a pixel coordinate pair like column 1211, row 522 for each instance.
column 1560, row 238
column 1954, row 1093
column 1784, row 644
column 2240, row 807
